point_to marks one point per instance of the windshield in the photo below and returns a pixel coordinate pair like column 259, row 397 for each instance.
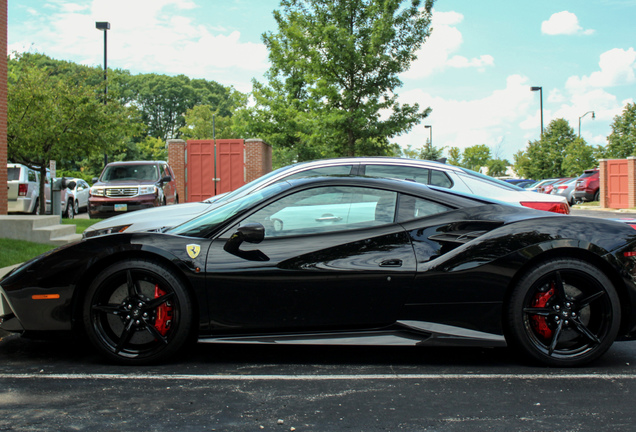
column 130, row 172
column 205, row 224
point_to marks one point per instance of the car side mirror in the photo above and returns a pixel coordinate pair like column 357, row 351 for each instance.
column 166, row 179
column 250, row 233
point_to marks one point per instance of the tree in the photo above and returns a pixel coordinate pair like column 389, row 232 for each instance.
column 579, row 156
column 430, row 152
column 621, row 142
column 544, row 158
column 335, row 66
column 53, row 114
column 455, row 156
column 497, row 167
column 203, row 122
column 476, row 156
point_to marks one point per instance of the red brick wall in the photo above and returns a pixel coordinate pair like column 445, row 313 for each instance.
column 177, row 161
column 258, row 159
column 4, row 197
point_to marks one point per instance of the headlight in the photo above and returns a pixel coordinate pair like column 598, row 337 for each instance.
column 97, row 191
column 104, row 231
column 145, row 190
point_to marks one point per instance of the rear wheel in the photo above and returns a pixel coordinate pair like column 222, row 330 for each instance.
column 69, row 212
column 563, row 312
column 138, row 312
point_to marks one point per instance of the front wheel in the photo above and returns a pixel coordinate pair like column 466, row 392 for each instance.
column 138, row 312
column 69, row 213
column 563, row 312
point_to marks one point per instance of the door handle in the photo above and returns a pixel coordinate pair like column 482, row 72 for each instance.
column 391, row 263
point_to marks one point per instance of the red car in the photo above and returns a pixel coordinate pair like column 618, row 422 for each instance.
column 587, row 186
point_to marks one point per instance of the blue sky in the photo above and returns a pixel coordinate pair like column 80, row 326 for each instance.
column 475, row 71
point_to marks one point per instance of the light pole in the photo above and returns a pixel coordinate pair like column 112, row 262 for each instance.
column 430, row 134
column 593, row 117
column 104, row 26
column 540, row 90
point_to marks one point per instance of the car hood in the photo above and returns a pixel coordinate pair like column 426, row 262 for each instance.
column 151, row 219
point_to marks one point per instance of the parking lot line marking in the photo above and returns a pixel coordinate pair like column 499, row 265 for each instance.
column 180, row 377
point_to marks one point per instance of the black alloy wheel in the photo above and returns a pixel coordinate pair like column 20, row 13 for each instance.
column 563, row 312
column 138, row 312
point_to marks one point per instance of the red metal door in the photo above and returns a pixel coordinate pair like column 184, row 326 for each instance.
column 201, row 182
column 617, row 187
column 230, row 166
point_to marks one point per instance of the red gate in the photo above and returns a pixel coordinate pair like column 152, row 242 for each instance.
column 214, row 170
column 617, row 187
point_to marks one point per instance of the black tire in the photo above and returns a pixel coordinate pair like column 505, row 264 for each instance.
column 597, row 195
column 69, row 212
column 36, row 208
column 138, row 312
column 563, row 312
column 76, row 207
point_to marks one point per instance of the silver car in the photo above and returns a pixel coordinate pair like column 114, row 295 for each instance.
column 421, row 171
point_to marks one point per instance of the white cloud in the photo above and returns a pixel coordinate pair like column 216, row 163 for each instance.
column 153, row 35
column 437, row 53
column 563, row 23
column 464, row 123
column 617, row 67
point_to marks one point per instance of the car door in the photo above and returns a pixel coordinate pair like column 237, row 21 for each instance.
column 331, row 258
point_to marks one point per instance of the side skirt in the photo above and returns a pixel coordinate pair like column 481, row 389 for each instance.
column 404, row 333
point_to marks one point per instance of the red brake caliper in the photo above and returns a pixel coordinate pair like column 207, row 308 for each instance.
column 164, row 313
column 539, row 322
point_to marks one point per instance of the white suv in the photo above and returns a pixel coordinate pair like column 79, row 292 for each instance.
column 24, row 189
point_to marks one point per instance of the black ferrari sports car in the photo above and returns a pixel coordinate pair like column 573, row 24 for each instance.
column 346, row 260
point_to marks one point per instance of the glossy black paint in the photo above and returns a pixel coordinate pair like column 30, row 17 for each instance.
column 447, row 274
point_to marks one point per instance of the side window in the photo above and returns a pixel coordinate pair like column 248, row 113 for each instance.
column 32, row 176
column 326, row 209
column 419, row 175
column 414, row 208
column 439, row 178
column 322, row 171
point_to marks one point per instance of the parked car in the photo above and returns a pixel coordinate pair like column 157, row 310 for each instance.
column 80, row 193
column 588, row 186
column 129, row 186
column 522, row 183
column 23, row 189
column 421, row 171
column 341, row 260
column 566, row 190
column 549, row 187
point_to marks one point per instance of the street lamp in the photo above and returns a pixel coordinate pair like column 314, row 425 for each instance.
column 104, row 26
column 593, row 117
column 540, row 90
column 430, row 139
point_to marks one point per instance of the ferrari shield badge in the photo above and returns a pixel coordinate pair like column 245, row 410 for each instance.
column 193, row 250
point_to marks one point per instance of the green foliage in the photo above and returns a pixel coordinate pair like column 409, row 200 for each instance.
column 203, row 122
column 54, row 113
column 579, row 156
column 497, row 167
column 476, row 157
column 430, row 152
column 152, row 148
column 335, row 67
column 454, row 156
column 621, row 142
column 544, row 158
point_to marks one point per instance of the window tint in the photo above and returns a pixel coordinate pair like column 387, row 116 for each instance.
column 326, row 209
column 413, row 208
column 420, row 175
column 13, row 173
column 439, row 178
column 321, row 171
